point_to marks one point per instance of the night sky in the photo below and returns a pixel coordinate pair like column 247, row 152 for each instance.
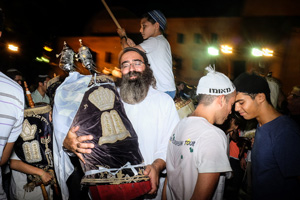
column 44, row 19
column 34, row 23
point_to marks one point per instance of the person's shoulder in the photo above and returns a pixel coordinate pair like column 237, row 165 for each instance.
column 289, row 122
column 10, row 84
column 205, row 129
column 34, row 92
column 284, row 125
column 159, row 94
column 161, row 38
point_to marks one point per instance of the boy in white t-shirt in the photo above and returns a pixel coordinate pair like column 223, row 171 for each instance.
column 197, row 151
column 157, row 49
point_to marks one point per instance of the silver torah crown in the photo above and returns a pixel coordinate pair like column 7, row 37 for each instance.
column 66, row 61
column 85, row 57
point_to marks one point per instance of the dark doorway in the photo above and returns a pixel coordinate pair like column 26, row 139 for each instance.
column 238, row 68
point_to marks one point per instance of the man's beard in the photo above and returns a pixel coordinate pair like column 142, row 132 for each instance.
column 134, row 91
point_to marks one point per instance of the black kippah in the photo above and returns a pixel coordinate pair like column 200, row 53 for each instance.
column 251, row 84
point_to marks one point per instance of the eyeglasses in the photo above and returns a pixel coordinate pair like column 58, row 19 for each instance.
column 135, row 64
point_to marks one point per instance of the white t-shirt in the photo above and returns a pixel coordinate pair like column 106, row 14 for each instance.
column 158, row 52
column 196, row 146
column 153, row 120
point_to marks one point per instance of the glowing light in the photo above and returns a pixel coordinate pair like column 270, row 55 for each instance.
column 213, row 51
column 226, row 49
column 45, row 59
column 42, row 59
column 38, row 59
column 267, row 52
column 256, row 52
column 13, row 47
column 106, row 71
column 116, row 72
column 48, row 48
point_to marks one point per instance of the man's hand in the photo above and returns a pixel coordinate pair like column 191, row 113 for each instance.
column 153, row 171
column 243, row 163
column 75, row 143
column 46, row 177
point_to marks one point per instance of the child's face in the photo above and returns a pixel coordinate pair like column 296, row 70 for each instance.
column 148, row 29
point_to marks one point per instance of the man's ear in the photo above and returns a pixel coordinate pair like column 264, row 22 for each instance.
column 260, row 97
column 221, row 100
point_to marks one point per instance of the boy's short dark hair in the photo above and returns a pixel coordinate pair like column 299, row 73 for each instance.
column 12, row 73
column 41, row 78
column 252, row 84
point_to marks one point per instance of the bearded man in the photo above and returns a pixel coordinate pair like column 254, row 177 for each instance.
column 152, row 113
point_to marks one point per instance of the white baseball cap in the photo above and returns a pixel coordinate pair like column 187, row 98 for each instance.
column 214, row 83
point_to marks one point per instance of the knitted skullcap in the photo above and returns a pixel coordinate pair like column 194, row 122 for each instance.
column 43, row 76
column 251, row 84
column 12, row 70
column 159, row 17
column 214, row 83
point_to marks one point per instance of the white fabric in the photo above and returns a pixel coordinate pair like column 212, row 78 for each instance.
column 11, row 115
column 67, row 100
column 159, row 55
column 274, row 90
column 214, row 83
column 18, row 180
column 196, row 146
column 153, row 120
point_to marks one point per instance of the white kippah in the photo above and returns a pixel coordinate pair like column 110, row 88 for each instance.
column 214, row 83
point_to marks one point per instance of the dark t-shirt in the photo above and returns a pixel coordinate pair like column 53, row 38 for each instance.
column 276, row 160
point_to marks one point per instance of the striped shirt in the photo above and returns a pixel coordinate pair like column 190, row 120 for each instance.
column 11, row 114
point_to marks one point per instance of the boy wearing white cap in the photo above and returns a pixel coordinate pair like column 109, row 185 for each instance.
column 157, row 49
column 197, row 151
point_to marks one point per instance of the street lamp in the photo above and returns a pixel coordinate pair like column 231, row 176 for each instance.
column 13, row 48
column 256, row 52
column 42, row 59
column 47, row 48
column 264, row 52
column 226, row 49
column 267, row 52
column 213, row 51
